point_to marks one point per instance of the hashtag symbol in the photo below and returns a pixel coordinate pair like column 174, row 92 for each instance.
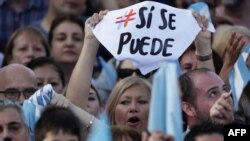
column 125, row 19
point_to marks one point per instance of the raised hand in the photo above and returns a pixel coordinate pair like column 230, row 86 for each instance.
column 222, row 111
column 91, row 22
column 202, row 20
column 234, row 49
column 203, row 44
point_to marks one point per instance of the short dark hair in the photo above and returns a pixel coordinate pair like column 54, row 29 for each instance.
column 57, row 21
column 41, row 61
column 54, row 119
column 187, row 88
column 187, row 84
column 204, row 128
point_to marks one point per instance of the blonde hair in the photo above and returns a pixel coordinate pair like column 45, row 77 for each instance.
column 222, row 36
column 118, row 91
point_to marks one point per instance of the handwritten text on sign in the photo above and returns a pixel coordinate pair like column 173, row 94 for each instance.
column 147, row 33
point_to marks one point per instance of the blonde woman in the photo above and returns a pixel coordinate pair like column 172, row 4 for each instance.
column 128, row 104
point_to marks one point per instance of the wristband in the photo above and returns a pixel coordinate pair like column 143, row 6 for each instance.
column 204, row 58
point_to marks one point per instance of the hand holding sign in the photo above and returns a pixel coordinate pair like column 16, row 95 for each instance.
column 147, row 33
column 202, row 21
column 203, row 39
column 92, row 22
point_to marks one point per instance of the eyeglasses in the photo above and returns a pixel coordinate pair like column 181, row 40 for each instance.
column 123, row 73
column 14, row 94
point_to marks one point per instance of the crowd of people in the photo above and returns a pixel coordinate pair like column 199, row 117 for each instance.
column 49, row 42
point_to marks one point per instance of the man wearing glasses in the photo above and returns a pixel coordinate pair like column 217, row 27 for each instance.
column 17, row 83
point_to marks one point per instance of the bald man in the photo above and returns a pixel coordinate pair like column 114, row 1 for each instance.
column 17, row 83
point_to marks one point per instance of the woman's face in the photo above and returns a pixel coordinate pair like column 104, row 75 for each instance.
column 26, row 48
column 188, row 61
column 133, row 108
column 47, row 74
column 67, row 42
column 93, row 105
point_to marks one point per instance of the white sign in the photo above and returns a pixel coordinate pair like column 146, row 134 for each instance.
column 147, row 33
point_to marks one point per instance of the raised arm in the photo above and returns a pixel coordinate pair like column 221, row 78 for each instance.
column 80, row 80
column 222, row 111
column 203, row 45
column 232, row 53
column 86, row 118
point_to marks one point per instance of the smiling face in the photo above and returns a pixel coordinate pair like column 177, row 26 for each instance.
column 133, row 108
column 67, row 42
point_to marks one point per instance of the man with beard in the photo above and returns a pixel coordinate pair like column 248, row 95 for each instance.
column 202, row 89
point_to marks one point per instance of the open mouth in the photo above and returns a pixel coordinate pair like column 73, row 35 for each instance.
column 133, row 121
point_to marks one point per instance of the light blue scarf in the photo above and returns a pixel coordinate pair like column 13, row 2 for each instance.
column 33, row 107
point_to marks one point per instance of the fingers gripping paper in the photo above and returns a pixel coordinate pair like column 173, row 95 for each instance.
column 147, row 33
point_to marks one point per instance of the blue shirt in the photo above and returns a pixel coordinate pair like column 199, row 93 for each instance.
column 10, row 20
